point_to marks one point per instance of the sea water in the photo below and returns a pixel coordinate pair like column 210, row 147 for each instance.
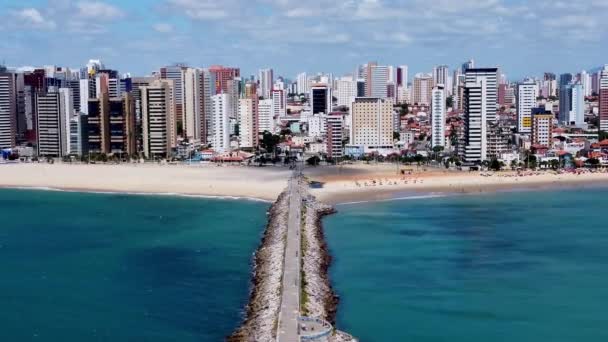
column 94, row 267
column 522, row 266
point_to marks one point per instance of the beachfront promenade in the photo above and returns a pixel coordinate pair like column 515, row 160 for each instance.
column 290, row 295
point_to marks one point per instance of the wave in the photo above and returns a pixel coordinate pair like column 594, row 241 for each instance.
column 396, row 199
column 172, row 194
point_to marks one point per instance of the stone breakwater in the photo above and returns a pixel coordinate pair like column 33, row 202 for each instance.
column 318, row 298
column 262, row 311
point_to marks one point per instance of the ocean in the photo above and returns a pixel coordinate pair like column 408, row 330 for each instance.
column 110, row 267
column 520, row 266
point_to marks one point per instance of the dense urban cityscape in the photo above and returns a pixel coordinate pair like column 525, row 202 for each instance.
column 469, row 117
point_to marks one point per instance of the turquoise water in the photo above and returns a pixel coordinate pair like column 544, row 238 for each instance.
column 94, row 267
column 526, row 266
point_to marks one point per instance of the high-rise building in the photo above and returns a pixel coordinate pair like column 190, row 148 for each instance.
column 279, row 103
column 527, row 92
column 221, row 122
column 220, row 76
column 542, row 127
column 441, row 75
column 78, row 135
column 266, row 81
column 346, row 91
column 302, row 83
column 585, row 80
column 379, row 75
column 320, row 99
column 8, row 110
column 422, row 88
column 121, row 123
column 572, row 105
column 367, row 75
column 193, row 104
column 248, row 123
column 468, row 65
column 334, row 126
column 175, row 74
column 475, row 121
column 603, row 93
column 438, row 116
column 372, row 124
column 565, row 80
column 98, row 125
column 265, row 116
column 402, row 76
column 490, row 76
column 51, row 125
column 156, row 101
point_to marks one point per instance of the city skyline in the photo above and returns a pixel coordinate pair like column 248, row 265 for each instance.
column 320, row 36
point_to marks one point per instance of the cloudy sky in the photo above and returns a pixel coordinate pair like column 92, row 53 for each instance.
column 137, row 36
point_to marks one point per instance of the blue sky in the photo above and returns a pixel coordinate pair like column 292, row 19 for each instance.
column 525, row 38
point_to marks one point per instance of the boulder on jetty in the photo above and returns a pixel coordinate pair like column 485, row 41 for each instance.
column 262, row 311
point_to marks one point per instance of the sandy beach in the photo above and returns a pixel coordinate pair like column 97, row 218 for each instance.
column 206, row 180
column 362, row 182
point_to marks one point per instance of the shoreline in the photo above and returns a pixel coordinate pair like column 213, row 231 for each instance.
column 135, row 193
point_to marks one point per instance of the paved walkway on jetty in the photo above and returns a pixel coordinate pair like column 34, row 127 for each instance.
column 290, row 296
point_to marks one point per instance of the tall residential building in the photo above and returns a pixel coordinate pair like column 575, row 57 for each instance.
column 402, row 76
column 279, row 103
column 98, row 125
column 220, row 76
column 346, row 91
column 221, row 122
column 66, row 104
column 121, row 123
column 470, row 64
column 367, row 75
column 585, row 80
column 438, row 116
column 379, row 75
column 372, row 124
column 572, row 104
column 603, row 92
column 527, row 92
column 542, row 127
column 441, row 75
column 565, row 80
column 156, row 101
column 266, row 120
column 175, row 73
column 8, row 110
column 248, row 123
column 320, row 99
column 51, row 125
column 302, row 83
column 78, row 135
column 334, row 126
column 490, row 78
column 422, row 88
column 266, row 81
column 475, row 121
column 193, row 104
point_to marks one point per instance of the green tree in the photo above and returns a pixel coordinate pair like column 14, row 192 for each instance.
column 495, row 164
column 313, row 161
column 513, row 164
column 396, row 136
column 449, row 102
column 602, row 135
column 554, row 164
column 269, row 141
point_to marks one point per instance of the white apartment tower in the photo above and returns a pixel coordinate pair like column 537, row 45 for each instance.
column 265, row 116
column 438, row 116
column 193, row 104
column 346, row 91
column 156, row 103
column 372, row 124
column 51, row 125
column 379, row 79
column 248, row 123
column 475, row 121
column 422, row 89
column 279, row 103
column 221, row 122
column 527, row 93
column 8, row 110
column 489, row 76
column 266, row 79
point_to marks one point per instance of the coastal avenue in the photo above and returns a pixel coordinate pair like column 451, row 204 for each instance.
column 290, row 295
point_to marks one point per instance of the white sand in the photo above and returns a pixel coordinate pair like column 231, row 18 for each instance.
column 341, row 185
column 209, row 180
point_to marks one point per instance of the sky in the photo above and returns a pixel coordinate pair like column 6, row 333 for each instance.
column 524, row 38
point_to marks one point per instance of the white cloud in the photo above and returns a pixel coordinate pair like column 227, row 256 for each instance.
column 163, row 27
column 201, row 9
column 33, row 17
column 98, row 10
